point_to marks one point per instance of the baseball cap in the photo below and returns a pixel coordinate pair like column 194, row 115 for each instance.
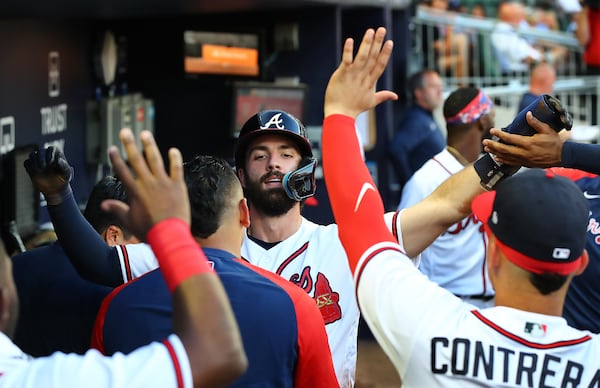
column 539, row 220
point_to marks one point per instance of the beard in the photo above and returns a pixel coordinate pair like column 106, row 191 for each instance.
column 272, row 202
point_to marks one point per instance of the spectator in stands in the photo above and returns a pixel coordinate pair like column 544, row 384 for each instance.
column 418, row 136
column 541, row 81
column 588, row 35
column 451, row 47
column 456, row 260
column 514, row 53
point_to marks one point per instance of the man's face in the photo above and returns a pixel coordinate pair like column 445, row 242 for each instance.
column 268, row 159
column 430, row 96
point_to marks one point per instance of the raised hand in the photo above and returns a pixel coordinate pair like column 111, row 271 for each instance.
column 351, row 88
column 50, row 173
column 153, row 195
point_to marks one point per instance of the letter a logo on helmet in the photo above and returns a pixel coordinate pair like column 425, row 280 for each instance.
column 270, row 122
column 275, row 120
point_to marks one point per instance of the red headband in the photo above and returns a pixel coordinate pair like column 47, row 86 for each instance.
column 479, row 106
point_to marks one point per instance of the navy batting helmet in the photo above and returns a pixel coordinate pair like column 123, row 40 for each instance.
column 271, row 121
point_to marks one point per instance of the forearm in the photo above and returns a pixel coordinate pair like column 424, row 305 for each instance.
column 210, row 333
column 355, row 201
column 423, row 222
column 582, row 156
column 89, row 254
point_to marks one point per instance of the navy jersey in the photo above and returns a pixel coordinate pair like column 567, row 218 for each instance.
column 417, row 139
column 282, row 330
column 57, row 307
column 582, row 305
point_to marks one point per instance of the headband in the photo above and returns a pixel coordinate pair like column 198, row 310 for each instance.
column 479, row 106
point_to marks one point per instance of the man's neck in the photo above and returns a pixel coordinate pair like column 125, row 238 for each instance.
column 274, row 229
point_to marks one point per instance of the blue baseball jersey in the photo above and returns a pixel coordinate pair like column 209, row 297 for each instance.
column 282, row 330
column 57, row 307
column 582, row 304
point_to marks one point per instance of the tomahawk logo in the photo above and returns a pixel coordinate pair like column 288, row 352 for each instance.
column 275, row 120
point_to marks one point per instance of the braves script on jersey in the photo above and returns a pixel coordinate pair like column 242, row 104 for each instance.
column 432, row 337
column 314, row 259
column 456, row 259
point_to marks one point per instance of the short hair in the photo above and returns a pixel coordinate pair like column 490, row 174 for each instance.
column 109, row 187
column 547, row 282
column 458, row 99
column 417, row 81
column 211, row 182
column 455, row 102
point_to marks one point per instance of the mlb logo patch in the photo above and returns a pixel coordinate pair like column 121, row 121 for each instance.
column 535, row 329
column 561, row 253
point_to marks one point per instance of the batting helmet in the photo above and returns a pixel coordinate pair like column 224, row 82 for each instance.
column 271, row 121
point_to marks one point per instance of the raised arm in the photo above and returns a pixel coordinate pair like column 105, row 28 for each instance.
column 354, row 198
column 546, row 148
column 93, row 259
column 159, row 210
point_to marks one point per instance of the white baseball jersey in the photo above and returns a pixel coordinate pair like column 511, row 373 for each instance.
column 155, row 365
column 436, row 340
column 456, row 260
column 135, row 260
column 313, row 258
column 432, row 337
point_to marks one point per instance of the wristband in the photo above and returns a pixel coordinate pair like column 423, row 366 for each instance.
column 178, row 254
column 491, row 172
column 60, row 197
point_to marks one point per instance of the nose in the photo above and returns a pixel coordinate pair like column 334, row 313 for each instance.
column 274, row 163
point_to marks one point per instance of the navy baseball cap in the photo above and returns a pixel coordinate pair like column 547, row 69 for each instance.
column 539, row 220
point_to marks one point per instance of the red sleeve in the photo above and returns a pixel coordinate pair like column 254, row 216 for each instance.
column 97, row 341
column 571, row 173
column 314, row 367
column 355, row 200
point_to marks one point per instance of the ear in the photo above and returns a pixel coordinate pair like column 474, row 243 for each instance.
column 113, row 235
column 585, row 259
column 241, row 176
column 244, row 213
column 5, row 308
column 494, row 255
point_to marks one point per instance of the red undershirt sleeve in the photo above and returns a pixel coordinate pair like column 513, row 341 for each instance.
column 355, row 200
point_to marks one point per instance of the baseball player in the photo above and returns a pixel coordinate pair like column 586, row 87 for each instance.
column 281, row 327
column 536, row 224
column 181, row 360
column 456, row 259
column 88, row 251
column 548, row 148
column 275, row 165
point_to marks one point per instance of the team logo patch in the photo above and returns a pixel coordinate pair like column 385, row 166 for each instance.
column 275, row 122
column 327, row 300
column 535, row 329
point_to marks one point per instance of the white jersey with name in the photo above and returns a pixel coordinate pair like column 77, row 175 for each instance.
column 313, row 258
column 434, row 339
column 456, row 260
column 155, row 365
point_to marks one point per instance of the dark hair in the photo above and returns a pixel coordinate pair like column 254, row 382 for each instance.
column 455, row 102
column 547, row 282
column 458, row 99
column 109, row 187
column 210, row 181
column 417, row 81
